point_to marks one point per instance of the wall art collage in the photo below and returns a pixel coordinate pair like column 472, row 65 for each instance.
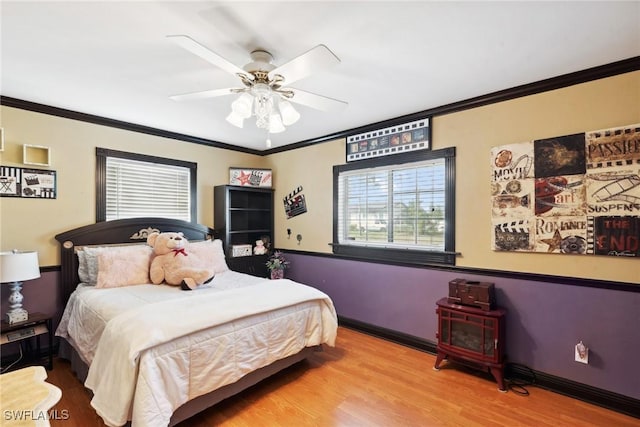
column 573, row 194
column 30, row 183
column 411, row 136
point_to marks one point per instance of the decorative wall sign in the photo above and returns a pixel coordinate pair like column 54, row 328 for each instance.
column 294, row 203
column 32, row 183
column 410, row 136
column 250, row 177
column 574, row 194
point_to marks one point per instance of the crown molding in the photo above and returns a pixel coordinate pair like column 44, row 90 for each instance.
column 565, row 80
column 104, row 121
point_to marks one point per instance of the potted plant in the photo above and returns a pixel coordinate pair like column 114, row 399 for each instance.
column 276, row 265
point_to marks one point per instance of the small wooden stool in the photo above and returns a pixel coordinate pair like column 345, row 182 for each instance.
column 25, row 397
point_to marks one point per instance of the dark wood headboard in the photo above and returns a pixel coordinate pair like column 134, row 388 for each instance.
column 133, row 230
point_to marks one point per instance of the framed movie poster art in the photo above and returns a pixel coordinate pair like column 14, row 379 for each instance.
column 411, row 136
column 9, row 181
column 29, row 183
column 250, row 177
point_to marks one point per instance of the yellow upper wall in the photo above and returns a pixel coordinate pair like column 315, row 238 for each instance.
column 595, row 105
column 31, row 224
column 311, row 168
column 605, row 103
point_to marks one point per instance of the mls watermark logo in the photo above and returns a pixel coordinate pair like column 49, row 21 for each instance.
column 32, row 415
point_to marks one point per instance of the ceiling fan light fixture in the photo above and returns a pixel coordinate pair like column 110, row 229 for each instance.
column 235, row 119
column 242, row 105
column 289, row 114
column 266, row 86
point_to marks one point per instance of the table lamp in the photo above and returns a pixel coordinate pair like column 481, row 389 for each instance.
column 15, row 267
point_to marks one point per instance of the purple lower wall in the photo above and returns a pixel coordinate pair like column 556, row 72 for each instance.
column 544, row 320
column 41, row 295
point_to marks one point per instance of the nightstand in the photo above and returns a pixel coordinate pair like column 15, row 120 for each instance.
column 38, row 324
column 254, row 265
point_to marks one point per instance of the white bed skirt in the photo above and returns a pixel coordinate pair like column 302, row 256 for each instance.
column 200, row 403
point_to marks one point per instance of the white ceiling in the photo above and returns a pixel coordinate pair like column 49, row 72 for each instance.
column 112, row 59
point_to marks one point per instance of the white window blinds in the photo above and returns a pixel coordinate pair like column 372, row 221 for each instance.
column 138, row 189
column 399, row 206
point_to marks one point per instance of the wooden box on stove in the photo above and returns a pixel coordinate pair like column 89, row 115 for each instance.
column 472, row 293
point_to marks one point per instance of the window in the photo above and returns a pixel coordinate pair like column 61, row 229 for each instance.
column 397, row 208
column 134, row 185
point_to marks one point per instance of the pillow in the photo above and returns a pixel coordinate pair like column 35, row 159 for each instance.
column 211, row 251
column 83, row 273
column 123, row 266
column 88, row 264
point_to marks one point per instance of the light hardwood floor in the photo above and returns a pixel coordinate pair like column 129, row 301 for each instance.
column 366, row 381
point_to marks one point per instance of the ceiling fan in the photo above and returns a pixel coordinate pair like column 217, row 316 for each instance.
column 266, row 92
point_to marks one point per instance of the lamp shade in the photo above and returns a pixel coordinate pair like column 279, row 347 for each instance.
column 17, row 266
column 275, row 123
column 235, row 119
column 289, row 114
column 242, row 106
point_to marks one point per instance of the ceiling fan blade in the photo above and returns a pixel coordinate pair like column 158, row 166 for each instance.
column 316, row 59
column 204, row 94
column 207, row 54
column 318, row 102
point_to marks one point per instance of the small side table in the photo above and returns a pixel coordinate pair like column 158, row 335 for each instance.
column 25, row 397
column 254, row 265
column 38, row 324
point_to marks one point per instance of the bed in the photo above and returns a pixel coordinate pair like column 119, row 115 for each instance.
column 155, row 355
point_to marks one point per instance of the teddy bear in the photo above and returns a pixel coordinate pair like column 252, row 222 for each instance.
column 259, row 249
column 173, row 264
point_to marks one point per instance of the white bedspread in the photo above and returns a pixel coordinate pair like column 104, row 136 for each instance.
column 153, row 348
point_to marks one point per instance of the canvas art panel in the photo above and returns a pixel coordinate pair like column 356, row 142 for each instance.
column 574, row 194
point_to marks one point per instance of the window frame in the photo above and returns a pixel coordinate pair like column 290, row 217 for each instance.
column 402, row 256
column 101, row 178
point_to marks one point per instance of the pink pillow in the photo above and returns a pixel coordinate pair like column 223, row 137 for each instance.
column 211, row 252
column 124, row 266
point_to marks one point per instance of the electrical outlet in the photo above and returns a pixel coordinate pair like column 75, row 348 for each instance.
column 581, row 353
